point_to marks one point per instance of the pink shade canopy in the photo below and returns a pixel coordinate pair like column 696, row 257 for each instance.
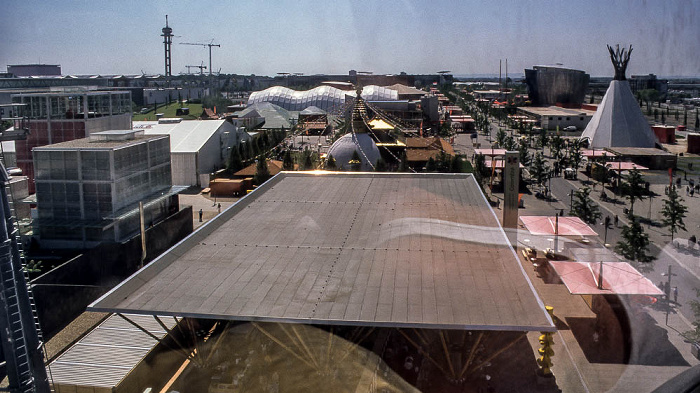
column 568, row 226
column 499, row 164
column 596, row 153
column 624, row 166
column 620, row 278
column 491, row 152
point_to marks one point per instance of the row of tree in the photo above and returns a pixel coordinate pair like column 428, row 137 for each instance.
column 264, row 143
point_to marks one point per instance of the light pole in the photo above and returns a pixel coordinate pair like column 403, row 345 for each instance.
column 667, row 291
column 607, row 225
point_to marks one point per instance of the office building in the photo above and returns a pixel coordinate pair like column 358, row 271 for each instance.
column 65, row 115
column 88, row 190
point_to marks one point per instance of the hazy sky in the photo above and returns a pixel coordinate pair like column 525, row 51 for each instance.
column 267, row 37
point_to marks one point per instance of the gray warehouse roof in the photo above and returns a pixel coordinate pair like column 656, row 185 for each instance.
column 401, row 250
column 187, row 136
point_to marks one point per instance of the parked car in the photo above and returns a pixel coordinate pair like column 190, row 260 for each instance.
column 570, row 128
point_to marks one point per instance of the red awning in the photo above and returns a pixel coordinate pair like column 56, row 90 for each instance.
column 624, row 166
column 619, row 278
column 568, row 226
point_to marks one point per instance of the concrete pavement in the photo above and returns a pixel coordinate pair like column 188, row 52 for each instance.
column 657, row 350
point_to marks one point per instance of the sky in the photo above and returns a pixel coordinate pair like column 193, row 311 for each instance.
column 333, row 37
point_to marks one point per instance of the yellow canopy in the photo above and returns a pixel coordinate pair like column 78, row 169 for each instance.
column 379, row 124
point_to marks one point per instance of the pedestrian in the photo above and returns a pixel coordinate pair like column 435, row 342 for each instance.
column 687, row 190
column 219, row 207
column 692, row 191
column 200, row 215
column 616, row 220
column 675, row 294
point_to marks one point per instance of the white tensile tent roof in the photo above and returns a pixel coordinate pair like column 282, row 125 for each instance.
column 619, row 121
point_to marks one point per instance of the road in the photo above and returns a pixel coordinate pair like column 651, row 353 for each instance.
column 685, row 267
column 682, row 266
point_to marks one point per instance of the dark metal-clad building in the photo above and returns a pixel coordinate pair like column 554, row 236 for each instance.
column 553, row 85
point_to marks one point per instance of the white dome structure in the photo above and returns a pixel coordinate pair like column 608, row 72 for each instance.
column 323, row 97
column 342, row 151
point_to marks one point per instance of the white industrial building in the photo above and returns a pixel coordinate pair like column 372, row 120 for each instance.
column 197, row 147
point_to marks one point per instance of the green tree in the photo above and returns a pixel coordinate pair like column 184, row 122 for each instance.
column 431, row 165
column 509, row 143
column 556, row 146
column 539, row 169
column 235, row 163
column 523, row 153
column 600, row 173
column 480, row 169
column 330, row 163
column 381, row 165
column 287, row 161
column 634, row 244
column 575, row 156
column 583, row 206
column 355, row 162
column 673, row 211
column 456, row 164
column 500, row 137
column 633, row 188
column 262, row 172
column 307, row 162
column 544, row 139
column 694, row 335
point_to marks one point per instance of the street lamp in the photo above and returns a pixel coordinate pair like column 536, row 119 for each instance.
column 667, row 291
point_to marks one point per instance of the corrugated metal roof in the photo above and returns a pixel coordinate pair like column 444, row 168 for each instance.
column 188, row 136
column 108, row 353
column 369, row 249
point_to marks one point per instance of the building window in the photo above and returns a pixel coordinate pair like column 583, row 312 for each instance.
column 559, row 118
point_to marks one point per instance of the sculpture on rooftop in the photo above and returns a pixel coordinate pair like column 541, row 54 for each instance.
column 620, row 58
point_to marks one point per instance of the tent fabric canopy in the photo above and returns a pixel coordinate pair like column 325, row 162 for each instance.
column 624, row 166
column 568, row 226
column 490, row 152
column 499, row 164
column 597, row 153
column 619, row 122
column 618, row 278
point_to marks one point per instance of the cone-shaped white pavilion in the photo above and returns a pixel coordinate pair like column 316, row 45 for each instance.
column 619, row 121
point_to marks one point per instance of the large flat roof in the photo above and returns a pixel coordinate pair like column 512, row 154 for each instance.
column 187, row 136
column 374, row 249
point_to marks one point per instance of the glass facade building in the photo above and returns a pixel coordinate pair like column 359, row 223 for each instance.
column 72, row 113
column 88, row 190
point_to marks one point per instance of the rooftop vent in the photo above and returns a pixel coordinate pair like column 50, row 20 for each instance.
column 169, row 120
column 115, row 135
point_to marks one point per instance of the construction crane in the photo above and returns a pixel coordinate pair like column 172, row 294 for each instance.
column 210, row 45
column 201, row 67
